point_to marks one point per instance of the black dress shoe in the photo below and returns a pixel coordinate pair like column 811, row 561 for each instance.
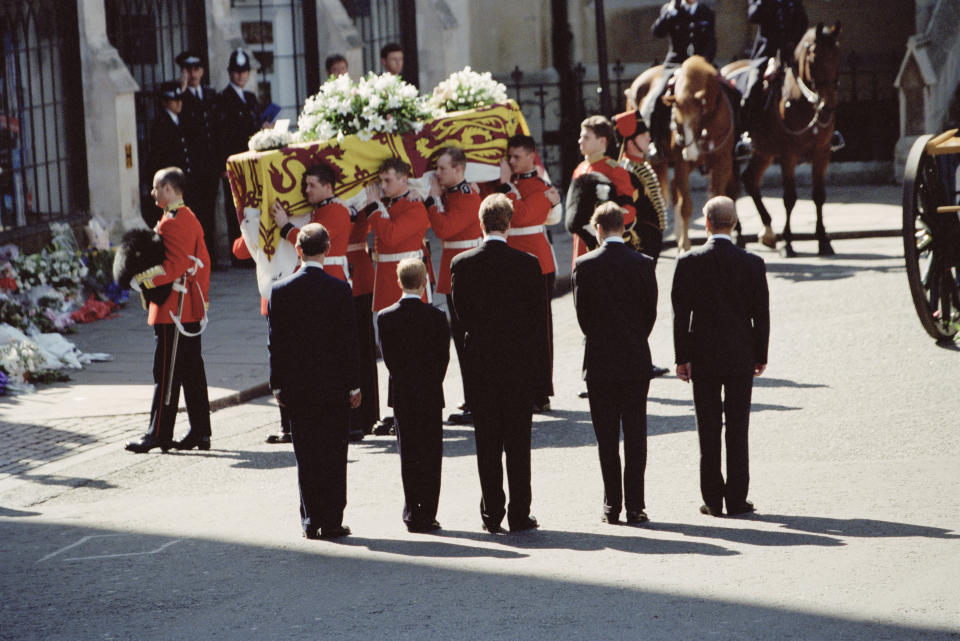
column 463, row 418
column 658, row 371
column 327, row 533
column 191, row 441
column 583, row 394
column 746, row 508
column 313, row 534
column 541, row 406
column 422, row 528
column 529, row 523
column 356, row 436
column 493, row 528
column 637, row 516
column 384, row 427
column 612, row 519
column 281, row 437
column 146, row 444
column 709, row 511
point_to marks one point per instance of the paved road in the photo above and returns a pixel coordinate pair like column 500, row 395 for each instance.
column 854, row 463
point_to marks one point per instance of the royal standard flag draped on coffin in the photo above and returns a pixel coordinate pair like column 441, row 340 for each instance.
column 257, row 179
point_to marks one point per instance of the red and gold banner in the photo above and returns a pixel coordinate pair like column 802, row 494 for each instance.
column 257, row 179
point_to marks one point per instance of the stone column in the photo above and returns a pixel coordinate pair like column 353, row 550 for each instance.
column 223, row 36
column 336, row 33
column 443, row 40
column 110, row 124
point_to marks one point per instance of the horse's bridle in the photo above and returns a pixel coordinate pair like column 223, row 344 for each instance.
column 714, row 146
column 813, row 97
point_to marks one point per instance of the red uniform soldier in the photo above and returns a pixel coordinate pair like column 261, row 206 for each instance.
column 532, row 198
column 399, row 225
column 318, row 184
column 596, row 134
column 362, row 273
column 453, row 208
column 187, row 265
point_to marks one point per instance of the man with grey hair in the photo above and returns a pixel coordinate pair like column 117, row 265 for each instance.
column 314, row 373
column 721, row 329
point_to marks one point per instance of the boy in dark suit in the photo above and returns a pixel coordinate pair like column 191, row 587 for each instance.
column 721, row 328
column 314, row 373
column 415, row 343
column 615, row 294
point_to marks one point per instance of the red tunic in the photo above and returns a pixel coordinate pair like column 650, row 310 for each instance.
column 456, row 223
column 626, row 193
column 359, row 256
column 334, row 215
column 530, row 210
column 182, row 237
column 398, row 230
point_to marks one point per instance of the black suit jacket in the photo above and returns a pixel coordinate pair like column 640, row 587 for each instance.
column 198, row 117
column 168, row 145
column 314, row 359
column 721, row 310
column 236, row 122
column 415, row 343
column 782, row 24
column 615, row 295
column 501, row 302
column 685, row 30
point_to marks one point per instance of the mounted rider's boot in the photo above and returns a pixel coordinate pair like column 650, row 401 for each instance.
column 744, row 147
column 836, row 141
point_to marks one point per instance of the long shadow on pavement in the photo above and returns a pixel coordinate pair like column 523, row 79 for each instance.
column 858, row 527
column 94, row 584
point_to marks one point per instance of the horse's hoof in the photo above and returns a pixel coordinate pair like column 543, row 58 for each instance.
column 825, row 248
column 768, row 238
column 787, row 251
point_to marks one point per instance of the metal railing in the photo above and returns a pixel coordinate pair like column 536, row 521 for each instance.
column 42, row 148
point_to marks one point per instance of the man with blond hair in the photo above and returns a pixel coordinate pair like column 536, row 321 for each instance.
column 499, row 299
column 415, row 343
column 721, row 328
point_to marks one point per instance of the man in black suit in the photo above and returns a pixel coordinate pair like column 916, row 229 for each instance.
column 721, row 328
column 415, row 343
column 168, row 142
column 690, row 26
column 314, row 373
column 499, row 299
column 199, row 103
column 238, row 118
column 615, row 295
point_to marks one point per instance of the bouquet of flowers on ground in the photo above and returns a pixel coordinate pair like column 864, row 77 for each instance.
column 58, row 265
column 468, row 89
column 383, row 103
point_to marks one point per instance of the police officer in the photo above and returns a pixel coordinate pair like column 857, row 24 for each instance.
column 203, row 182
column 168, row 142
column 690, row 26
column 782, row 24
column 238, row 118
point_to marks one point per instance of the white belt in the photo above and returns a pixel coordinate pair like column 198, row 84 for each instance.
column 336, row 260
column 356, row 247
column 526, row 231
column 395, row 258
column 463, row 244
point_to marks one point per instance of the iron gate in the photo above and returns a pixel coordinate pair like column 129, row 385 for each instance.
column 383, row 21
column 42, row 148
column 148, row 35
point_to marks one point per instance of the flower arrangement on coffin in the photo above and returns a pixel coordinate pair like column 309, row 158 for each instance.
column 374, row 104
column 467, row 89
column 267, row 139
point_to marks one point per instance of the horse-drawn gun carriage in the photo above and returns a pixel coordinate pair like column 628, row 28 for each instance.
column 931, row 231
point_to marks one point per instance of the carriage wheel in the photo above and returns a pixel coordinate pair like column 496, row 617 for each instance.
column 928, row 239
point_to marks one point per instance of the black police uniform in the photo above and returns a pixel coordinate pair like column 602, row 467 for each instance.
column 782, row 24
column 690, row 34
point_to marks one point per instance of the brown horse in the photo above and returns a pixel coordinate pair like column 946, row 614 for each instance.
column 703, row 136
column 797, row 127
